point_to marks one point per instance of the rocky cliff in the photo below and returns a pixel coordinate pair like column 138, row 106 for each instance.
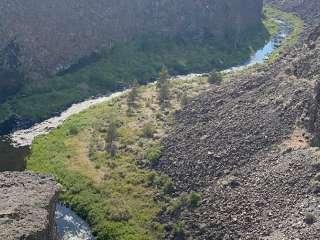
column 51, row 35
column 27, row 206
column 251, row 148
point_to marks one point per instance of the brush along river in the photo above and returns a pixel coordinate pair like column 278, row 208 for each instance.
column 15, row 147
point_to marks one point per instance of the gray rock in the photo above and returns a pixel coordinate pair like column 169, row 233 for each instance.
column 27, row 206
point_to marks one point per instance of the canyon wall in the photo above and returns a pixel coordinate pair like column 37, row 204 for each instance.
column 27, row 206
column 51, row 35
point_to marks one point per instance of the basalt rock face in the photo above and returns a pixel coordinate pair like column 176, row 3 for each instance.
column 27, row 206
column 52, row 35
column 249, row 148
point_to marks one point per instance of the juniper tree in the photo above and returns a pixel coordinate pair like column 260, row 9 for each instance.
column 132, row 96
column 111, row 137
column 163, row 86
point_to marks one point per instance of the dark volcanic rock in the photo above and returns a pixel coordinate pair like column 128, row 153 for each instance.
column 27, row 206
column 258, row 131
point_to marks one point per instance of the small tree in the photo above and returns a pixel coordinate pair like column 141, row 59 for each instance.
column 215, row 77
column 184, row 100
column 111, row 137
column 163, row 86
column 133, row 94
column 163, row 76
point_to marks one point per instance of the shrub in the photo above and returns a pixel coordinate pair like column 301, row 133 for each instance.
column 215, row 77
column 179, row 230
column 168, row 186
column 184, row 100
column 154, row 154
column 315, row 186
column 148, row 130
column 175, row 206
column 194, row 200
column 230, row 181
column 316, row 164
column 73, row 131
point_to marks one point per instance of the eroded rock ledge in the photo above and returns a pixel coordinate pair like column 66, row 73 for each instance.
column 27, row 206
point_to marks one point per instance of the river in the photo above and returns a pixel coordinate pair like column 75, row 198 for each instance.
column 15, row 147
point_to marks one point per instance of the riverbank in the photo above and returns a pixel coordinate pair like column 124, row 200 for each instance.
column 107, row 190
column 115, row 70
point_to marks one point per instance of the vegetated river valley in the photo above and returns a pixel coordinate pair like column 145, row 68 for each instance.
column 14, row 148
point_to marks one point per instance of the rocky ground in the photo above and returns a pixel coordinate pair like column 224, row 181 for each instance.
column 250, row 148
column 306, row 9
column 27, row 206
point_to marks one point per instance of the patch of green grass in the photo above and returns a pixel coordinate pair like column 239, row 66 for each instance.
column 121, row 197
column 121, row 205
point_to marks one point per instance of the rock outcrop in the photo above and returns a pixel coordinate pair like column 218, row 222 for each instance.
column 250, row 147
column 27, row 206
column 52, row 35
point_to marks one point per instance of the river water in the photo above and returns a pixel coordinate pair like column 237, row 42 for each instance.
column 15, row 147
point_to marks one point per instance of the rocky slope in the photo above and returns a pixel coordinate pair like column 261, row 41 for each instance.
column 54, row 34
column 306, row 9
column 249, row 147
column 27, row 206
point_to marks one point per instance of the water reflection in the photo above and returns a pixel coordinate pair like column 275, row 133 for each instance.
column 11, row 158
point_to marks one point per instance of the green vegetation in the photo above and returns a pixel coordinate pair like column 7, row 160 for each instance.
column 297, row 27
column 163, row 87
column 120, row 195
column 139, row 59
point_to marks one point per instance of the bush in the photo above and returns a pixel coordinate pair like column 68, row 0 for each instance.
column 184, row 100
column 154, row 154
column 148, row 130
column 315, row 186
column 194, row 200
column 215, row 77
column 73, row 131
column 230, row 181
column 168, row 186
column 179, row 230
column 316, row 164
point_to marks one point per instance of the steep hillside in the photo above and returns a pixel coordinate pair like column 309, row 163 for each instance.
column 55, row 53
column 55, row 34
column 251, row 148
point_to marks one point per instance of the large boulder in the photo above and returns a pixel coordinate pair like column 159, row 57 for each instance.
column 27, row 206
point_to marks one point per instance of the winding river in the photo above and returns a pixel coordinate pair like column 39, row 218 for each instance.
column 15, row 147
